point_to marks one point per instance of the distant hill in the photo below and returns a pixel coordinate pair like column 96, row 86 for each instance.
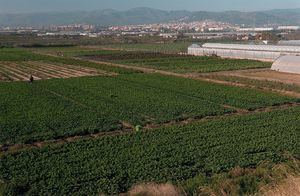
column 148, row 15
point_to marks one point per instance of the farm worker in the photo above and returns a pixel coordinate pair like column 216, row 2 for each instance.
column 31, row 79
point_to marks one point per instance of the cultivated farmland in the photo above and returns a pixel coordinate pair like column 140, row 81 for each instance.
column 79, row 106
column 21, row 56
column 20, row 71
column 123, row 124
column 173, row 62
column 113, row 164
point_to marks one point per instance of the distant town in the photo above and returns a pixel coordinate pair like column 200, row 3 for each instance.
column 198, row 30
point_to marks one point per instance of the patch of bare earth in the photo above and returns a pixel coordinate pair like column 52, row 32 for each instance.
column 289, row 187
column 13, row 73
column 152, row 189
column 256, row 74
column 264, row 74
column 40, row 70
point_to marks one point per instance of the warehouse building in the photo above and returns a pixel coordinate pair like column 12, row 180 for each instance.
column 243, row 51
column 287, row 64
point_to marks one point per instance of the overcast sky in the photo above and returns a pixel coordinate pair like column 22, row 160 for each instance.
column 8, row 6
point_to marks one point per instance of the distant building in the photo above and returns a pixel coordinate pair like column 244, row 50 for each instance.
column 256, row 29
column 289, row 42
column 216, row 29
column 168, row 35
column 243, row 51
column 293, row 28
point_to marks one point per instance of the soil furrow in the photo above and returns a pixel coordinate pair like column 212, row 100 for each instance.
column 65, row 70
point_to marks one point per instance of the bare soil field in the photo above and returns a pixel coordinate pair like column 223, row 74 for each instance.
column 263, row 74
column 10, row 71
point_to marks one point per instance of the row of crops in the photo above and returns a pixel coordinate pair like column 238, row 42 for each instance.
column 175, row 47
column 65, row 107
column 21, row 55
column 14, row 54
column 174, row 154
column 173, row 62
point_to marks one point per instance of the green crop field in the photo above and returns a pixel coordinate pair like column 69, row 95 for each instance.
column 57, row 108
column 173, row 62
column 86, row 128
column 13, row 54
column 175, row 47
column 113, row 164
column 159, row 60
column 258, row 83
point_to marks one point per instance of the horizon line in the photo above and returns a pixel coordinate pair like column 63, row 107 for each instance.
column 124, row 10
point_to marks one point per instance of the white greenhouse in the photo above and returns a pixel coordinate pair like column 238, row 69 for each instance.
column 289, row 43
column 287, row 64
column 243, row 51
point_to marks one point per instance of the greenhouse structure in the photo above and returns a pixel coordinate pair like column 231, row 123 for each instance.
column 243, row 51
column 289, row 43
column 287, row 64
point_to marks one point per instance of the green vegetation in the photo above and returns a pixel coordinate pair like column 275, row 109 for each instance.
column 40, row 42
column 258, row 83
column 174, row 154
column 173, row 62
column 175, row 47
column 58, row 108
column 14, row 54
column 194, row 155
column 158, row 56
column 244, row 181
column 168, row 47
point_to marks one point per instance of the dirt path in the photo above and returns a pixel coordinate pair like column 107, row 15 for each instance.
column 262, row 74
column 202, row 77
column 128, row 129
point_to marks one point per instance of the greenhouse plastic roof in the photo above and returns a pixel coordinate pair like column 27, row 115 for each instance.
column 270, row 48
column 195, row 46
column 289, row 42
column 288, row 64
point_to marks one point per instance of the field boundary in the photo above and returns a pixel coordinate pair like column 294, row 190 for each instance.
column 200, row 77
column 14, row 148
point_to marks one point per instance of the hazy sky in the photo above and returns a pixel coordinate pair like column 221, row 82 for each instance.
column 209, row 5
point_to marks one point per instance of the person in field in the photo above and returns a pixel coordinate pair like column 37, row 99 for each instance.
column 31, row 79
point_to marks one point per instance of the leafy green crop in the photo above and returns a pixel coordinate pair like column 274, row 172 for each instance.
column 173, row 62
column 113, row 164
column 65, row 107
column 13, row 54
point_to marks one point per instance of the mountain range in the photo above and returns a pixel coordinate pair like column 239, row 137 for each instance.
column 148, row 15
